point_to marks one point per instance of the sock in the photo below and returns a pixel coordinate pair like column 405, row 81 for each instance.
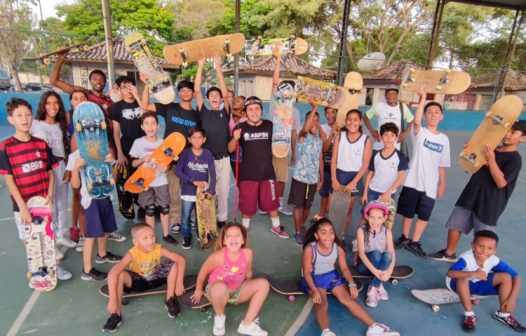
column 469, row 313
column 501, row 314
column 275, row 221
column 246, row 222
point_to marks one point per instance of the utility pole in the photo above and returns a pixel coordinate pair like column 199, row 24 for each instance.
column 42, row 28
column 106, row 13
column 341, row 57
column 236, row 56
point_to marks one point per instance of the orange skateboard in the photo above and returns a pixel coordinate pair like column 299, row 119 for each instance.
column 191, row 51
column 289, row 46
column 449, row 82
column 497, row 122
column 167, row 152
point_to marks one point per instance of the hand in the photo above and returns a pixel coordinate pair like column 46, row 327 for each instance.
column 179, row 289
column 376, row 135
column 421, row 90
column 79, row 163
column 109, row 158
column 121, row 160
column 200, row 184
column 319, row 185
column 209, row 196
column 354, row 292
column 384, row 275
column 313, row 103
column 196, row 297
column 146, row 158
column 236, row 134
column 350, row 187
column 480, row 274
column 441, row 190
column 384, row 197
column 49, row 200
column 66, row 177
column 25, row 216
column 62, row 55
column 292, row 159
column 489, row 153
column 336, row 186
column 402, row 136
column 365, row 199
column 133, row 90
column 276, row 50
column 316, row 296
column 162, row 168
column 144, row 77
column 201, row 62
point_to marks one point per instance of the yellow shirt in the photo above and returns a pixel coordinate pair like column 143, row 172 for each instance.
column 144, row 263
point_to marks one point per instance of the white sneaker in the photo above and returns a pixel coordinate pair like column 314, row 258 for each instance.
column 327, row 332
column 219, row 325
column 286, row 210
column 252, row 329
column 379, row 329
column 261, row 212
column 63, row 274
column 80, row 244
column 65, row 242
column 58, row 254
column 116, row 236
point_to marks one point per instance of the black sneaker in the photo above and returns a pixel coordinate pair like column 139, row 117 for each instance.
column 94, row 275
column 443, row 256
column 173, row 307
column 469, row 323
column 510, row 321
column 401, row 242
column 169, row 239
column 416, row 249
column 220, row 224
column 187, row 243
column 108, row 258
column 113, row 322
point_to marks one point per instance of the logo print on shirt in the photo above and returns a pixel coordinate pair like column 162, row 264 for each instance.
column 37, row 153
column 433, row 146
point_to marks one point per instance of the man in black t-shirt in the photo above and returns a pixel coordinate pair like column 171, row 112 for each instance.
column 486, row 195
column 257, row 180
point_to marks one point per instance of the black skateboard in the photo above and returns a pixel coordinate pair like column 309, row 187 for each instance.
column 126, row 207
column 291, row 287
column 399, row 273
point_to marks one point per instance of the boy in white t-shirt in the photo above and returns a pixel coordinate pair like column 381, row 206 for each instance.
column 426, row 178
column 157, row 195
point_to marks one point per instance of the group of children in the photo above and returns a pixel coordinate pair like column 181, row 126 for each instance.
column 326, row 158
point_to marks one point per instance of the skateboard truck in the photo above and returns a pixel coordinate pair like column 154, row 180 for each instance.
column 184, row 56
column 497, row 119
column 444, row 80
column 226, row 47
column 292, row 45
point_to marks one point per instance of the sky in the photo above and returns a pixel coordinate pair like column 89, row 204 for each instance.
column 48, row 7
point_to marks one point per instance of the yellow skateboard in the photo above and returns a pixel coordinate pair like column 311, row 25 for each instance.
column 354, row 83
column 449, row 82
column 325, row 93
column 206, row 219
column 289, row 46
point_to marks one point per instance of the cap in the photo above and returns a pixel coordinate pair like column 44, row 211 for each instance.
column 253, row 100
column 391, row 87
column 375, row 205
column 520, row 125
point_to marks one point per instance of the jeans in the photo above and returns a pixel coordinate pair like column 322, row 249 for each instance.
column 380, row 260
column 187, row 207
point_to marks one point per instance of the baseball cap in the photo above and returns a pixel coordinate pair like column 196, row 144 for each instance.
column 391, row 88
column 375, row 205
column 520, row 125
column 253, row 100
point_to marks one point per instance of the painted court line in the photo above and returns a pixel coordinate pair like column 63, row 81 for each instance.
column 301, row 319
column 23, row 314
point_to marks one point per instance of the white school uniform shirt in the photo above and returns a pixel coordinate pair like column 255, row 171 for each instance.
column 50, row 133
column 387, row 113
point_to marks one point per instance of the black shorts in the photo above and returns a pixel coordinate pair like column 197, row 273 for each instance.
column 301, row 194
column 412, row 201
column 157, row 279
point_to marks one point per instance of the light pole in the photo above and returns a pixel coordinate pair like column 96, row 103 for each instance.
column 106, row 13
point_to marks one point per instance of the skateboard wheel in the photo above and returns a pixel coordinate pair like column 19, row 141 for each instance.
column 435, row 308
column 506, row 125
column 103, row 125
column 292, row 298
column 112, row 181
column 488, row 114
column 185, row 64
column 46, row 61
column 90, row 185
column 476, row 302
column 85, row 47
column 412, row 70
column 124, row 302
column 438, row 87
column 404, row 85
column 203, row 309
column 394, row 282
column 78, row 127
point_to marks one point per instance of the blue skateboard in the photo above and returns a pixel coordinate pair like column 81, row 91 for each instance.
column 92, row 139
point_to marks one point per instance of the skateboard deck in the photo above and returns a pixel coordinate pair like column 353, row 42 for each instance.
column 167, row 152
column 92, row 138
column 191, row 51
column 292, row 287
column 46, row 58
column 282, row 121
column 497, row 122
column 339, row 205
column 354, row 84
column 449, row 82
column 289, row 46
column 325, row 93
column 40, row 246
column 206, row 219
column 158, row 81
column 391, row 206
column 439, row 296
column 399, row 273
column 126, row 207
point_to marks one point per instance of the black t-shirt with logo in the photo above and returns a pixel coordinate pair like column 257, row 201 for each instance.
column 128, row 115
column 256, row 142
column 215, row 124
column 177, row 119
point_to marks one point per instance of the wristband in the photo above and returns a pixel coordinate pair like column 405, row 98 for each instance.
column 352, row 284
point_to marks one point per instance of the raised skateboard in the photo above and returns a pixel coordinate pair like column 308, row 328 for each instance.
column 40, row 246
column 282, row 120
column 188, row 282
column 448, row 82
column 126, row 207
column 339, row 205
column 292, row 287
column 439, row 296
column 46, row 58
column 191, row 51
column 399, row 273
column 167, row 152
column 324, row 93
column 354, row 84
column 92, row 138
column 497, row 122
column 158, row 81
column 206, row 219
column 289, row 46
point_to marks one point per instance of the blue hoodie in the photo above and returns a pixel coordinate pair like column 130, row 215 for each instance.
column 196, row 168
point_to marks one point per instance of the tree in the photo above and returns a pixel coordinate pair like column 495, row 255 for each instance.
column 194, row 17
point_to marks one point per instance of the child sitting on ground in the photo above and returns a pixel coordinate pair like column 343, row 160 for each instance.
column 480, row 272
column 321, row 251
column 146, row 271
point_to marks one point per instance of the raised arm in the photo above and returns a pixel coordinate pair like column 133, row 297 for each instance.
column 417, row 121
column 54, row 77
column 222, row 81
column 277, row 68
column 144, row 103
column 197, row 84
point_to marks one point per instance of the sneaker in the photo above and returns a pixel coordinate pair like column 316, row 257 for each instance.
column 298, row 238
column 172, row 306
column 286, row 210
column 220, row 224
column 280, row 232
column 94, row 274
column 251, row 329
column 176, row 228
column 379, row 329
column 74, row 233
column 58, row 254
column 113, row 322
column 219, row 325
column 401, row 242
column 327, row 332
column 63, row 274
column 80, row 244
column 372, row 297
column 169, row 239
column 116, row 236
column 261, row 212
column 382, row 293
column 443, row 256
column 187, row 243
column 469, row 323
column 108, row 258
column 416, row 249
column 63, row 241
column 510, row 321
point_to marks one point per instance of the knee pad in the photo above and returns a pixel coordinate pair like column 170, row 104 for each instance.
column 149, row 210
column 164, row 210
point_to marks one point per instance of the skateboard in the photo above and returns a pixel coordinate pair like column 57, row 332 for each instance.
column 399, row 273
column 292, row 287
column 289, row 46
column 92, row 138
column 126, row 207
column 439, row 296
column 46, row 58
column 391, row 206
column 40, row 246
column 325, row 93
column 186, row 52
column 188, row 282
column 354, row 84
column 167, row 152
column 206, row 219
column 339, row 205
column 497, row 122
column 282, row 121
column 449, row 82
column 158, row 81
